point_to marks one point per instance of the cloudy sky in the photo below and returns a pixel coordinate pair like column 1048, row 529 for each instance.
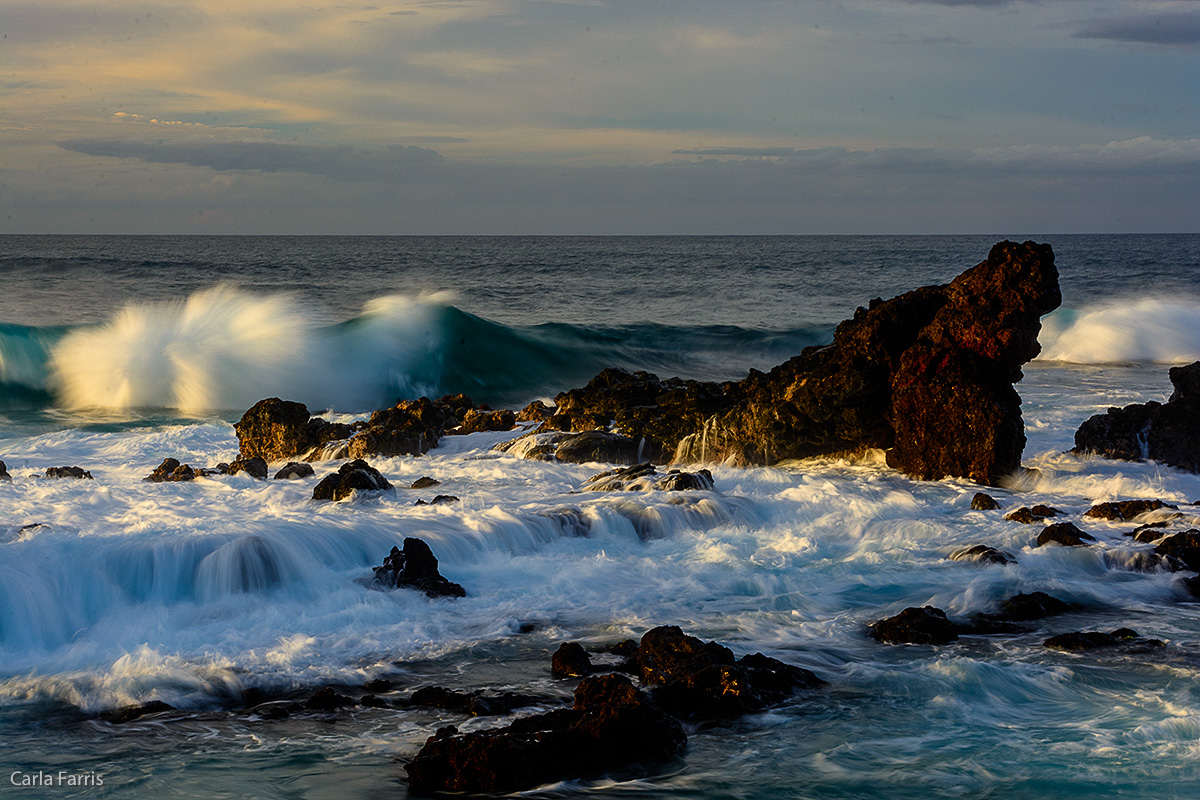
column 599, row 116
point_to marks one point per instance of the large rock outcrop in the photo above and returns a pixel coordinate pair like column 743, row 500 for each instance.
column 1168, row 432
column 277, row 430
column 926, row 376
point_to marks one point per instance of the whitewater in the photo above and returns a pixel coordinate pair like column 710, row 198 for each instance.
column 114, row 591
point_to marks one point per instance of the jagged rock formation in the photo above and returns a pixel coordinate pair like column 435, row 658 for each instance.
column 275, row 430
column 415, row 567
column 926, row 376
column 1168, row 432
column 353, row 476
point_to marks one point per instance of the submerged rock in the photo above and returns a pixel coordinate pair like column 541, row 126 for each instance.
column 644, row 477
column 415, row 567
column 328, row 699
column 612, row 726
column 1081, row 641
column 130, row 713
column 68, row 472
column 925, row 625
column 476, row 703
column 1168, row 432
column 1034, row 605
column 171, row 470
column 983, row 554
column 353, row 476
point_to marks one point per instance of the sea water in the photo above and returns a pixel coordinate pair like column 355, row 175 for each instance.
column 116, row 352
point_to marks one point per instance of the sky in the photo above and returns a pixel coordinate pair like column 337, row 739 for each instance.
column 599, row 116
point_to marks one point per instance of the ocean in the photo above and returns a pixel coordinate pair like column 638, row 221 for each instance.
column 116, row 352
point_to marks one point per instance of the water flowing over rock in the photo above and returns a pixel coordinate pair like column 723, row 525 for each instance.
column 78, row 473
column 644, row 477
column 171, row 470
column 1168, row 432
column 926, row 376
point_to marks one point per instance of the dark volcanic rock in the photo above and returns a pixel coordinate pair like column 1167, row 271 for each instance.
column 576, row 448
column 1066, row 534
column 4, row 476
column 352, row 476
column 171, row 470
column 424, row 482
column 697, row 678
column 415, row 567
column 644, row 477
column 275, row 430
column 293, row 470
column 570, row 660
column 475, row 420
column 1080, row 641
column 1124, row 509
column 68, row 472
column 1192, row 584
column 475, row 703
column 130, row 713
column 1168, row 433
column 411, row 427
column 612, row 726
column 927, row 376
column 1183, row 546
column 328, row 700
column 254, row 466
column 1029, row 516
column 537, row 411
column 925, row 625
column 983, row 502
column 1034, row 605
column 983, row 554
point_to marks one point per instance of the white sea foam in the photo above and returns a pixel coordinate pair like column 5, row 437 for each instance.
column 1159, row 330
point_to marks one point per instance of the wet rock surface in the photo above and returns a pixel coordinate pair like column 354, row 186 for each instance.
column 1083, row 641
column 415, row 567
column 1124, row 509
column 275, row 430
column 983, row 554
column 1030, row 516
column 1067, row 534
column 1182, row 546
column 171, row 470
column 255, row 467
column 411, row 427
column 125, row 714
column 983, row 502
column 644, row 477
column 353, row 476
column 4, row 476
column 612, row 726
column 1169, row 433
column 577, row 448
column 76, row 473
column 924, row 625
column 570, row 660
column 477, row 703
column 294, row 470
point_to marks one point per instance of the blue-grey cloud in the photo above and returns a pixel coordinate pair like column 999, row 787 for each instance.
column 340, row 162
column 1169, row 28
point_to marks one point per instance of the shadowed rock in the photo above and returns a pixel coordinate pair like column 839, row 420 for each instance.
column 1031, row 606
column 983, row 502
column 328, row 700
column 1125, row 509
column 925, row 625
column 1081, row 641
column 926, row 376
column 576, row 448
column 476, row 703
column 353, row 476
column 424, row 482
column 1169, row 432
column 415, row 567
column 1066, row 534
column 171, row 470
column 294, row 470
column 256, row 467
column 1183, row 546
column 570, row 660
column 612, row 726
column 130, row 713
column 4, row 476
column 76, row 473
column 982, row 554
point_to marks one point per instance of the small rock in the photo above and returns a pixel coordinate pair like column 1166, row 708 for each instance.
column 171, row 470
column 983, row 502
column 1149, row 532
column 4, row 476
column 424, row 482
column 328, row 700
column 570, row 660
column 353, row 476
column 295, row 469
column 254, row 467
column 130, row 713
column 1031, row 606
column 1080, row 641
column 1192, row 584
column 1028, row 516
column 68, row 472
column 415, row 567
column 644, row 477
column 1124, row 509
column 982, row 554
column 1183, row 546
column 1065, row 534
column 378, row 685
column 371, row 701
column 925, row 625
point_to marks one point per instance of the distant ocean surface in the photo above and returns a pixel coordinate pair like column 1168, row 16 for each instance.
column 116, row 352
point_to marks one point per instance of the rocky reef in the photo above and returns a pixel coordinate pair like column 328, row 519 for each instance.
column 927, row 376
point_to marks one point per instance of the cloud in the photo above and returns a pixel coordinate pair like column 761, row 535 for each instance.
column 1171, row 28
column 341, row 162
